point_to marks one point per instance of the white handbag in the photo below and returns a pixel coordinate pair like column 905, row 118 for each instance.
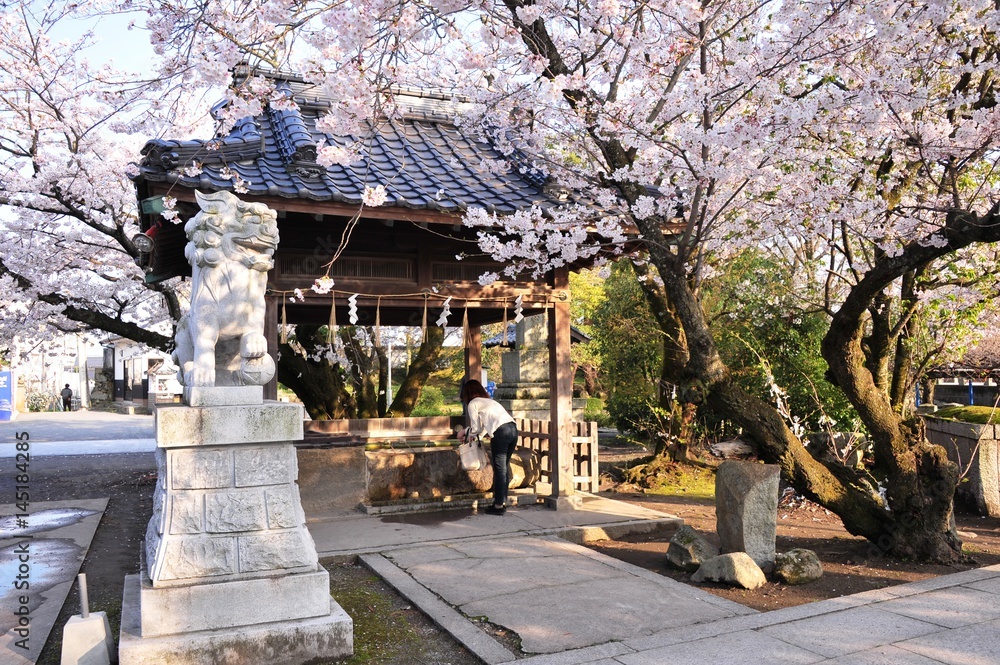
column 473, row 455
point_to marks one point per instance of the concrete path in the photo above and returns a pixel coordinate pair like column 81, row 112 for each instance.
column 573, row 606
column 39, row 561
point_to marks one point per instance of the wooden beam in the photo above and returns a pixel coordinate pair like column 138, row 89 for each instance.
column 271, row 333
column 474, row 354
column 324, row 207
column 564, row 495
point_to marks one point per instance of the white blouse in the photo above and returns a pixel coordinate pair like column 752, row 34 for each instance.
column 486, row 416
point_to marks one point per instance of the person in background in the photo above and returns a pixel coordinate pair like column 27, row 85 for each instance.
column 488, row 417
column 67, row 398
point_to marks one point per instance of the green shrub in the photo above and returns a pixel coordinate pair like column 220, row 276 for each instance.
column 629, row 408
column 37, row 402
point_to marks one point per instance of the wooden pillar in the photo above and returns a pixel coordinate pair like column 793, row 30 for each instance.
column 474, row 354
column 271, row 333
column 563, row 496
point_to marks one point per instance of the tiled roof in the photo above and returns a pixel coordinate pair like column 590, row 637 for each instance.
column 983, row 359
column 423, row 160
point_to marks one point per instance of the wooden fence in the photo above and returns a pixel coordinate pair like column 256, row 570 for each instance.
column 534, row 434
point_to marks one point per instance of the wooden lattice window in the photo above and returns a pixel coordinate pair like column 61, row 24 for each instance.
column 349, row 267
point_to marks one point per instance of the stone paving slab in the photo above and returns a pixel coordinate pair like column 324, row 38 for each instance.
column 602, row 654
column 971, row 645
column 351, row 535
column 555, row 595
column 58, row 537
column 475, row 578
column 884, row 655
column 858, row 629
column 745, row 648
column 950, row 608
column 992, row 585
column 477, row 565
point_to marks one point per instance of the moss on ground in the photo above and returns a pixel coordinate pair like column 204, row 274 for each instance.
column 388, row 630
column 664, row 477
column 980, row 415
column 381, row 633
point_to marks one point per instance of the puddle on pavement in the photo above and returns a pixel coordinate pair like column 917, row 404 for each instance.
column 47, row 561
column 43, row 520
column 436, row 518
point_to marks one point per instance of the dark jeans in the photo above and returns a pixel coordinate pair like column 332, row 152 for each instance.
column 502, row 445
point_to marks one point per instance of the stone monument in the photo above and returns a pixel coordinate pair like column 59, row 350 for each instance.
column 746, row 509
column 524, row 384
column 229, row 572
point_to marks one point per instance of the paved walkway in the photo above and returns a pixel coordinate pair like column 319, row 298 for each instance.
column 573, row 606
column 39, row 561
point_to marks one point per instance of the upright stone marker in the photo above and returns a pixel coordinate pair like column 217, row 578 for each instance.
column 229, row 571
column 524, row 388
column 746, row 509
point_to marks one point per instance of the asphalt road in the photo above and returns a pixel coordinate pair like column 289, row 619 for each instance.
column 78, row 433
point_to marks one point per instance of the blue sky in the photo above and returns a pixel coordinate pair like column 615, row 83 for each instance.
column 124, row 48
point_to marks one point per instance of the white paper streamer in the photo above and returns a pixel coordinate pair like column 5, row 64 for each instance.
column 352, row 309
column 518, row 316
column 445, row 312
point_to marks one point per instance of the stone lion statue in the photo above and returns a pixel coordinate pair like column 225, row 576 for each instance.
column 220, row 342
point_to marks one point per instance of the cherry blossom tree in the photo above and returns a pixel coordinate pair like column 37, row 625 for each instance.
column 68, row 130
column 702, row 128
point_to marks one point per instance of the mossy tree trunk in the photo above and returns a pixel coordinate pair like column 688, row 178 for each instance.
column 918, row 477
column 676, row 444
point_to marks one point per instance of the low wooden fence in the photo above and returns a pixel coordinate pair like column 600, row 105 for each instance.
column 534, row 434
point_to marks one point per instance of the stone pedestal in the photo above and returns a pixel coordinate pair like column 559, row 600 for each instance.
column 229, row 566
column 746, row 509
column 524, row 383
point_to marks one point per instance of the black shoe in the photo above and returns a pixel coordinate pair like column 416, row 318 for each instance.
column 495, row 510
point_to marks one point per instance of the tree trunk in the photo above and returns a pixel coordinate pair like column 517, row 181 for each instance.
column 902, row 371
column 363, row 373
column 844, row 491
column 420, row 369
column 919, row 479
column 320, row 385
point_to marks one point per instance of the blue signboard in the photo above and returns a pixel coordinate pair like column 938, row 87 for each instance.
column 6, row 395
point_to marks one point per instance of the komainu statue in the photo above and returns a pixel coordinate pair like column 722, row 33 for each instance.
column 220, row 342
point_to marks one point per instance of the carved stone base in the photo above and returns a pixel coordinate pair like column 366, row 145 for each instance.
column 226, row 505
column 564, row 503
column 223, row 396
column 293, row 642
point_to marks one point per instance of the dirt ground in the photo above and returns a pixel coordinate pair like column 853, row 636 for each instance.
column 850, row 565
